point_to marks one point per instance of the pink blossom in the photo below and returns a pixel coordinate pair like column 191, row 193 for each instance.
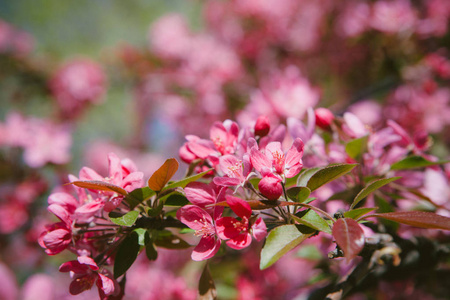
column 39, row 284
column 324, row 118
column 204, row 226
column 354, row 19
column 270, row 186
column 121, row 173
column 76, row 84
column 393, row 16
column 205, row 196
column 8, row 289
column 238, row 232
column 84, row 274
column 274, row 160
column 235, row 172
column 353, row 126
column 56, row 238
column 223, row 140
column 262, row 126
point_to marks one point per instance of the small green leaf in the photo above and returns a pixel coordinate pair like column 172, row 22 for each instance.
column 142, row 234
column 373, row 186
column 186, row 181
column 310, row 252
column 150, row 250
column 326, row 174
column 356, row 147
column 171, row 242
column 356, row 213
column 281, row 240
column 161, row 176
column 127, row 219
column 414, row 162
column 126, row 254
column 137, row 196
column 298, row 193
column 206, row 287
column 306, row 175
column 176, row 200
column 311, row 219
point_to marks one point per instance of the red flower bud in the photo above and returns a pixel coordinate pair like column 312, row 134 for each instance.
column 262, row 126
column 270, row 187
column 324, row 118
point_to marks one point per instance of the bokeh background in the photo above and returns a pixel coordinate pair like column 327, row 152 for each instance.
column 80, row 79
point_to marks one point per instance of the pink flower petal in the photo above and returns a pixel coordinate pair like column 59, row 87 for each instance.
column 240, row 242
column 207, row 248
column 200, row 194
column 226, row 228
column 239, row 206
column 259, row 229
column 194, row 217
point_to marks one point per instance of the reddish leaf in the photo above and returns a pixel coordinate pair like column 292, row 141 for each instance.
column 160, row 178
column 99, row 186
column 416, row 218
column 349, row 236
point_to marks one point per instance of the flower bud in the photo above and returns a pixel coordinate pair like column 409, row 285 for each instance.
column 324, row 118
column 262, row 126
column 270, row 187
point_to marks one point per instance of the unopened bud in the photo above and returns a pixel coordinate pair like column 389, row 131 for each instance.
column 324, row 118
column 270, row 187
column 262, row 126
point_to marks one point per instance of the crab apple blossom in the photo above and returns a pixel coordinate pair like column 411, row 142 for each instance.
column 324, row 118
column 262, row 126
column 270, row 186
column 84, row 272
column 204, row 225
column 273, row 160
column 238, row 233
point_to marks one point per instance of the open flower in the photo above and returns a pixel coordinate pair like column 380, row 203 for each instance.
column 273, row 160
column 198, row 219
column 84, row 272
column 239, row 232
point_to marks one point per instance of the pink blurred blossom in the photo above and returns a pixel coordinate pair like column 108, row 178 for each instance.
column 76, row 84
column 393, row 16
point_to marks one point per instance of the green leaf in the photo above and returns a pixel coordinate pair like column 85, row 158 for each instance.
column 311, row 219
column 326, row 174
column 150, row 250
column 182, row 183
column 281, row 240
column 171, row 242
column 420, row 219
column 176, row 200
column 142, row 234
column 206, row 287
column 161, row 176
column 306, row 175
column 356, row 213
column 137, row 196
column 356, row 147
column 373, row 186
column 126, row 254
column 413, row 162
column 298, row 193
column 127, row 219
column 310, row 252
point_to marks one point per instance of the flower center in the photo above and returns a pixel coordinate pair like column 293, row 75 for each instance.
column 242, row 225
column 206, row 229
column 278, row 161
column 235, row 171
column 220, row 146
